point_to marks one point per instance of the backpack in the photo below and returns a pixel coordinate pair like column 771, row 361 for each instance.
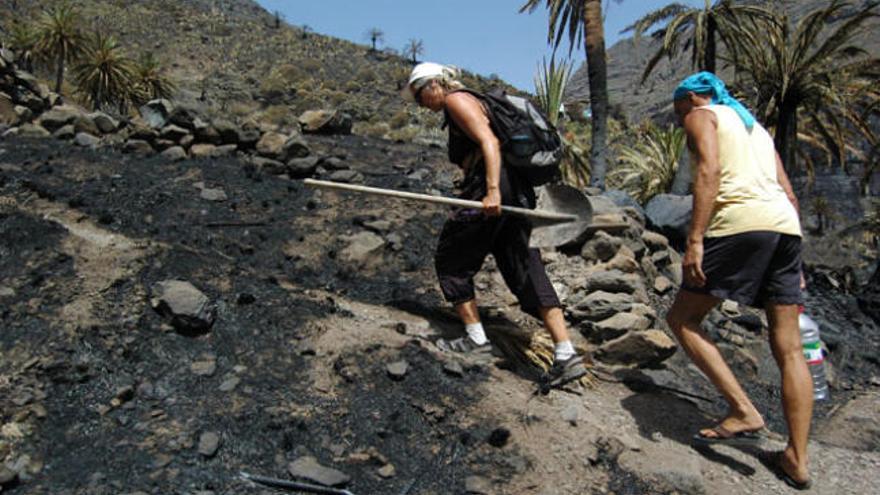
column 529, row 142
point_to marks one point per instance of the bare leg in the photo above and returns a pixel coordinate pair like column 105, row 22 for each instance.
column 797, row 387
column 684, row 318
column 468, row 312
column 554, row 322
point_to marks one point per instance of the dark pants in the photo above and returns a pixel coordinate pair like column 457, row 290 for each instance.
column 469, row 236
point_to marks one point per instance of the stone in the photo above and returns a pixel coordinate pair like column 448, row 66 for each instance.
column 571, row 414
column 334, row 163
column 124, row 393
column 301, row 168
column 670, row 215
column 174, row 154
column 387, row 471
column 599, row 305
column 24, row 114
column 674, row 272
column 137, row 146
column 82, row 123
column 59, row 117
column 271, row 145
column 397, row 369
column 645, row 348
column 248, row 138
column 156, row 113
column 187, row 307
column 86, row 140
column 205, row 133
column 655, row 241
column 269, row 166
column 662, row 284
column 499, row 437
column 209, row 444
column 308, row 468
column 8, row 115
column 65, row 132
column 601, row 247
column 325, row 122
column 615, row 326
column 204, row 367
column 105, row 123
column 142, row 132
column 624, row 261
column 8, row 477
column 295, row 147
column 224, row 150
column 453, row 368
column 163, row 144
column 364, row 249
column 213, row 194
column 346, row 176
column 183, row 117
column 612, row 281
column 227, row 130
column 33, row 131
column 229, row 384
column 202, row 150
column 477, row 485
column 173, row 133
column 665, row 470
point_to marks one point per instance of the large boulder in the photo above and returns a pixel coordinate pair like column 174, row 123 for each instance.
column 670, row 215
column 614, row 326
column 601, row 247
column 644, row 348
column 598, row 306
column 325, row 122
column 105, row 123
column 187, row 308
column 309, row 469
column 59, row 117
column 613, row 281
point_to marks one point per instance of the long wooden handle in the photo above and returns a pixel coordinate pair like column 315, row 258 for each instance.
column 441, row 200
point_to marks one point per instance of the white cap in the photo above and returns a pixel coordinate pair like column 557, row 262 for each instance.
column 422, row 74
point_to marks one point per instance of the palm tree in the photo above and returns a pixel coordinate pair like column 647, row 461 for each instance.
column 104, row 74
column 413, row 49
column 582, row 19
column 23, row 38
column 816, row 71
column 150, row 81
column 60, row 38
column 550, row 86
column 649, row 167
column 695, row 28
column 375, row 35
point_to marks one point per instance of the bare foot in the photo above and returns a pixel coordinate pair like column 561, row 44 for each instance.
column 798, row 471
column 736, row 423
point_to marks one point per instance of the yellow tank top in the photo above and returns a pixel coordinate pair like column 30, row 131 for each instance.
column 750, row 197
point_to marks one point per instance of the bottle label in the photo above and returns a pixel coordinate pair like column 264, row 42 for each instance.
column 813, row 353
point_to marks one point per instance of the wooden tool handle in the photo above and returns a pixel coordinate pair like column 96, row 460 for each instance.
column 441, row 200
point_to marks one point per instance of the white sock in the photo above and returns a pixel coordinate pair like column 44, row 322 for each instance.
column 476, row 333
column 563, row 350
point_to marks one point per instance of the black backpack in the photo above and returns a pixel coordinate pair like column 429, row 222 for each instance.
column 529, row 142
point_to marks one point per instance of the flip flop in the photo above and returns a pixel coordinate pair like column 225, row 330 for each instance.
column 727, row 437
column 774, row 463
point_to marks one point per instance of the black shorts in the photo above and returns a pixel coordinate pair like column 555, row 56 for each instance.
column 752, row 268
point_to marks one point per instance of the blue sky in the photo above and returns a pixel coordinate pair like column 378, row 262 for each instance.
column 483, row 36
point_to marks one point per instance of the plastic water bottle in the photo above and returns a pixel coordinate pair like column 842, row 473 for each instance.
column 813, row 354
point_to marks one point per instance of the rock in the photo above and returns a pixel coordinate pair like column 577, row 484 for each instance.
column 213, row 194
column 599, row 305
column 24, row 114
column 662, row 284
column 205, row 133
column 202, row 150
column 65, row 132
column 335, row 163
column 33, row 131
column 571, row 414
column 8, row 115
column 269, row 166
column 187, row 307
column 347, row 176
column 104, row 122
column 453, row 368
column 229, row 384
column 308, row 468
column 623, row 200
column 325, row 122
column 386, row 471
column 670, row 215
column 855, row 426
column 204, row 367
column 156, row 113
column 271, row 145
column 624, row 261
column 8, row 477
column 82, row 123
column 183, row 117
column 295, row 147
column 173, row 133
column 601, row 247
column 655, row 241
column 124, row 393
column 397, row 370
column 477, row 485
column 612, row 281
column 645, row 348
column 142, row 132
column 209, row 444
column 674, row 272
column 86, row 140
column 227, row 130
column 137, row 146
column 224, row 150
column 248, row 138
column 614, row 326
column 174, row 154
column 59, row 117
column 665, row 470
column 363, row 249
column 301, row 168
column 749, row 321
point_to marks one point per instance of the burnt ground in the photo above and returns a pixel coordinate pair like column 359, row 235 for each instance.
column 98, row 394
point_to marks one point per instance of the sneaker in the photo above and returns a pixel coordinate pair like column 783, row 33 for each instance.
column 463, row 345
column 566, row 371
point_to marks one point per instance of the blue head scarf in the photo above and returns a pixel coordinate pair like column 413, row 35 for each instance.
column 706, row 83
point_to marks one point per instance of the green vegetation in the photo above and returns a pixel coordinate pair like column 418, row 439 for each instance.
column 23, row 39
column 60, row 38
column 104, row 74
column 150, row 80
column 648, row 167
